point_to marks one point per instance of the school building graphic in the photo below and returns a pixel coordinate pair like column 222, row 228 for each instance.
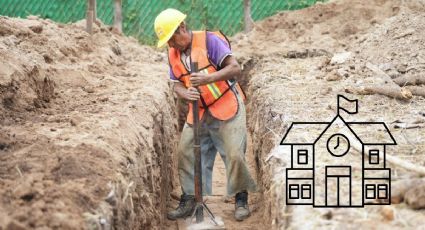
column 339, row 179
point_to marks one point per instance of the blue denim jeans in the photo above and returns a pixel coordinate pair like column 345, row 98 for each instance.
column 229, row 138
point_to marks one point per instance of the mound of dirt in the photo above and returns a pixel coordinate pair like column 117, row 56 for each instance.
column 298, row 62
column 396, row 45
column 85, row 136
column 329, row 26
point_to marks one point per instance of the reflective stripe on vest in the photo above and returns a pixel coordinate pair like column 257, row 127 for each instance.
column 214, row 90
column 218, row 96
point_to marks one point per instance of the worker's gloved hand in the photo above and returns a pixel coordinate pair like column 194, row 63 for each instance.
column 197, row 79
column 192, row 94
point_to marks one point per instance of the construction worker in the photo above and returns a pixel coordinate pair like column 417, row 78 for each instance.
column 221, row 110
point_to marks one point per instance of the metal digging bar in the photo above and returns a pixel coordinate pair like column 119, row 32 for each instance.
column 200, row 205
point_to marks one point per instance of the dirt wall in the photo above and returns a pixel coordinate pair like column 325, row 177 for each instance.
column 87, row 128
column 294, row 76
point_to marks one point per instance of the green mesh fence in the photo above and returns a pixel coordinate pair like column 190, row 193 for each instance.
column 139, row 15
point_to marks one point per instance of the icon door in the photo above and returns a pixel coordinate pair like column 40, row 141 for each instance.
column 338, row 186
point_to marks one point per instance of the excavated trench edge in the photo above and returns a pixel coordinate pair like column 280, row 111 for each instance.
column 256, row 141
column 141, row 190
column 263, row 141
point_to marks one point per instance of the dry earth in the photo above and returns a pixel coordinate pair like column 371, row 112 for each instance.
column 296, row 67
column 86, row 128
column 88, row 124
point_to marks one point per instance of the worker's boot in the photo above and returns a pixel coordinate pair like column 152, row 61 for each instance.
column 241, row 206
column 185, row 208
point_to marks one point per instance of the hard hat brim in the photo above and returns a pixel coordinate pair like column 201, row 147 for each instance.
column 165, row 39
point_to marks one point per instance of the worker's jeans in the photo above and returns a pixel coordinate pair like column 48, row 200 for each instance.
column 226, row 137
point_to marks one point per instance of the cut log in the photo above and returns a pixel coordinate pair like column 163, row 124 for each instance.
column 417, row 90
column 410, row 80
column 399, row 189
column 415, row 197
column 386, row 86
column 386, row 90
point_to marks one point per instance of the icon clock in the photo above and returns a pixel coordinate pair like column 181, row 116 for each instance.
column 338, row 145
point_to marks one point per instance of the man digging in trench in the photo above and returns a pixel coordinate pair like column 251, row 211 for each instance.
column 221, row 110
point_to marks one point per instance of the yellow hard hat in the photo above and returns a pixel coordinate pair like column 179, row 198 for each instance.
column 166, row 24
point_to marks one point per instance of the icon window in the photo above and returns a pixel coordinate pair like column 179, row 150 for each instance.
column 374, row 156
column 294, row 191
column 302, row 156
column 306, row 191
column 370, row 191
column 382, row 191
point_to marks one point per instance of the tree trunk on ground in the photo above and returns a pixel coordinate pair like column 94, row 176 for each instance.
column 384, row 86
column 410, row 80
column 248, row 22
column 417, row 90
column 118, row 15
column 386, row 90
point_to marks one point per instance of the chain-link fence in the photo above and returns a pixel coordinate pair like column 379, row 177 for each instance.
column 139, row 15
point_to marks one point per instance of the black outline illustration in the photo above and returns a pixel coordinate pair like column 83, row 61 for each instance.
column 302, row 153
column 373, row 153
column 338, row 135
column 373, row 187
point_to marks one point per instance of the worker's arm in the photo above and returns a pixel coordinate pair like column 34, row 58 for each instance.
column 190, row 94
column 230, row 70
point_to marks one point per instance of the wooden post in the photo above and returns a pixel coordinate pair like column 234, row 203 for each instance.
column 91, row 15
column 248, row 22
column 118, row 15
column 94, row 10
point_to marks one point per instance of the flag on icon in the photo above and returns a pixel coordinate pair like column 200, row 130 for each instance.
column 347, row 105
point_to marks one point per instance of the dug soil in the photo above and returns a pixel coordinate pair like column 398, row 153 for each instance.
column 86, row 128
column 296, row 63
column 88, row 124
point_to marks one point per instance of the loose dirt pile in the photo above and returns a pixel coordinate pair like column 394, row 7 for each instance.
column 297, row 62
column 87, row 128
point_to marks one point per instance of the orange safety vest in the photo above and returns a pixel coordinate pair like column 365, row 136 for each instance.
column 217, row 97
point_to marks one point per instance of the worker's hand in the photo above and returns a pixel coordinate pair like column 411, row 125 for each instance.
column 198, row 79
column 192, row 94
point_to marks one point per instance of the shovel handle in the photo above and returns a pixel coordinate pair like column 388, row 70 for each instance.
column 197, row 154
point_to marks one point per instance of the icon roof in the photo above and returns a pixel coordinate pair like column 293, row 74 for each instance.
column 303, row 132
column 310, row 132
column 372, row 132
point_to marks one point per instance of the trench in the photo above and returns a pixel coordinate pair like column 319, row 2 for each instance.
column 84, row 150
column 260, row 143
column 122, row 174
column 81, row 161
